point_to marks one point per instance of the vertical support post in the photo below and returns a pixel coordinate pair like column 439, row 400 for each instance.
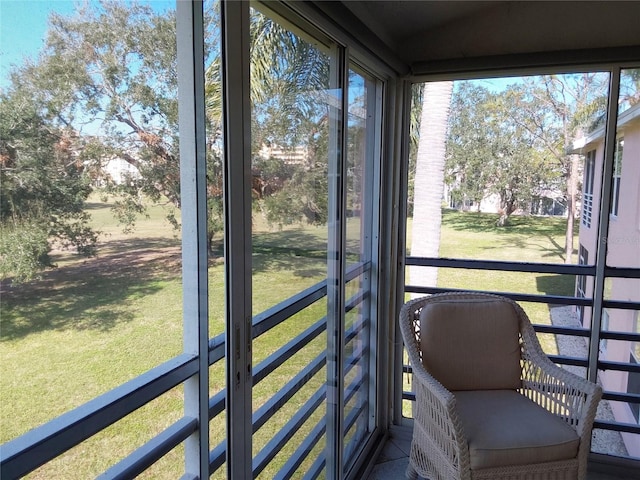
column 193, row 197
column 237, row 213
column 336, row 267
column 387, row 231
column 603, row 222
column 401, row 154
column 371, row 242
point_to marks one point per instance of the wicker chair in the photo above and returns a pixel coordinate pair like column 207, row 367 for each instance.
column 489, row 403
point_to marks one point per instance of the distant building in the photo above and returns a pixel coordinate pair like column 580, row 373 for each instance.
column 291, row 155
column 546, row 203
column 119, row 170
column 623, row 250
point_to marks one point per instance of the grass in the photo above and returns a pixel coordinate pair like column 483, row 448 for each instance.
column 92, row 324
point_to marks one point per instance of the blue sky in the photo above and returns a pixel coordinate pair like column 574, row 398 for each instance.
column 23, row 25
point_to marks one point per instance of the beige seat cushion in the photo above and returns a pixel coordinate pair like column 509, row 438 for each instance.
column 505, row 428
column 471, row 344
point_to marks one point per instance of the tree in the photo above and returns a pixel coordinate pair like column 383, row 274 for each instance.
column 630, row 87
column 289, row 78
column 109, row 74
column 491, row 152
column 556, row 109
column 469, row 149
column 429, row 179
column 44, row 187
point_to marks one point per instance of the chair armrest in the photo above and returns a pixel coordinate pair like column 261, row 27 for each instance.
column 565, row 394
column 436, row 422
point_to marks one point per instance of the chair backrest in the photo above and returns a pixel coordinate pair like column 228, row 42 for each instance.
column 471, row 343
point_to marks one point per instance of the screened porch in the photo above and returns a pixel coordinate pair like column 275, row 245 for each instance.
column 288, row 359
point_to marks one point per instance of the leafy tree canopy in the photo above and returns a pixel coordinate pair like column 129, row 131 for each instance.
column 109, row 72
column 490, row 152
column 108, row 76
column 44, row 186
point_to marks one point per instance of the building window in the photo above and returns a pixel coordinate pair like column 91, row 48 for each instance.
column 583, row 259
column 587, row 197
column 617, row 171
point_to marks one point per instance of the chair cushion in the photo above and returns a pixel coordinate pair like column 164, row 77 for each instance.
column 505, row 428
column 471, row 344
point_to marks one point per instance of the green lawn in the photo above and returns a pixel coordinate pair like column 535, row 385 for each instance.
column 527, row 239
column 92, row 324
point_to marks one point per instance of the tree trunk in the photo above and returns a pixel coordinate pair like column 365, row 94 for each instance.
column 429, row 180
column 572, row 186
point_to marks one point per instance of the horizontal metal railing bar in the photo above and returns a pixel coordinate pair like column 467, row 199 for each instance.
column 352, row 417
column 622, row 272
column 354, row 330
column 570, row 331
column 285, row 434
column 355, row 300
column 526, row 267
column 614, row 335
column 217, row 457
column 621, row 304
column 617, row 426
column 36, row 447
column 288, row 350
column 519, row 297
column 354, row 271
column 217, row 348
column 217, row 403
column 275, row 315
column 409, row 396
column 265, row 321
column 152, row 451
column 271, row 406
column 353, row 360
column 621, row 397
column 352, row 388
column 618, row 366
column 565, row 360
column 316, row 468
column 302, row 452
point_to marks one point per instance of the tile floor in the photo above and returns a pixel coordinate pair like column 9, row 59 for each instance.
column 393, row 460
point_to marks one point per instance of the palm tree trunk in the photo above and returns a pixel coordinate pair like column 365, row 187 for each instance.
column 429, row 180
